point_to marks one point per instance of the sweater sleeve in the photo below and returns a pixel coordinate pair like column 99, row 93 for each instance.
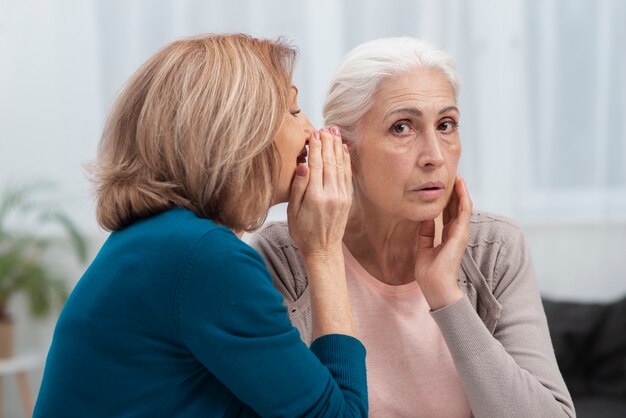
column 233, row 321
column 513, row 372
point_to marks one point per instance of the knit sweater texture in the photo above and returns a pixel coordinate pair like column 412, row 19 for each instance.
column 497, row 335
column 177, row 317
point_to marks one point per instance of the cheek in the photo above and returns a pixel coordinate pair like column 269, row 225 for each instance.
column 384, row 173
column 453, row 156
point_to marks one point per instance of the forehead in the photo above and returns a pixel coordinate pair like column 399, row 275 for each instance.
column 422, row 88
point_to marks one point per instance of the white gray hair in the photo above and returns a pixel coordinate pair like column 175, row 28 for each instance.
column 370, row 64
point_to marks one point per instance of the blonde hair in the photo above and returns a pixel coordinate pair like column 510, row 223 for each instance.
column 194, row 128
column 369, row 65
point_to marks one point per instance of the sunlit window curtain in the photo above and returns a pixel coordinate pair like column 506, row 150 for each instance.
column 576, row 150
column 542, row 99
column 542, row 102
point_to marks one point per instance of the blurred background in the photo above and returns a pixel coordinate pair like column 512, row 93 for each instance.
column 543, row 125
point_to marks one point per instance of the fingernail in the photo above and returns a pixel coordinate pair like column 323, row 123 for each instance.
column 316, row 134
column 345, row 147
column 334, row 130
column 301, row 170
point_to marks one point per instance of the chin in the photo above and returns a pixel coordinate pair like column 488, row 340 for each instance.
column 423, row 212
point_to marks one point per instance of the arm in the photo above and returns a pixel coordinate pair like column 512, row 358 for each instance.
column 233, row 321
column 513, row 372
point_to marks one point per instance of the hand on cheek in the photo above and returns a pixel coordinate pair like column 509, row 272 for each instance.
column 437, row 267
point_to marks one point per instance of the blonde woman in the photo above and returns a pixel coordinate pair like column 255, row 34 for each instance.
column 444, row 297
column 176, row 316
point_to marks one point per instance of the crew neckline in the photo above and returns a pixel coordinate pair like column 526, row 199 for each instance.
column 363, row 275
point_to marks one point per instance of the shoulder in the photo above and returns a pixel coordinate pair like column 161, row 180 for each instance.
column 488, row 229
column 216, row 262
column 275, row 244
column 273, row 235
column 180, row 236
column 496, row 247
column 496, row 256
column 175, row 226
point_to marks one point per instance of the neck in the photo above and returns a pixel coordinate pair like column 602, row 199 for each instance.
column 385, row 246
column 238, row 233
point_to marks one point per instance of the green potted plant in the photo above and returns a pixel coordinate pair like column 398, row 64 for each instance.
column 29, row 226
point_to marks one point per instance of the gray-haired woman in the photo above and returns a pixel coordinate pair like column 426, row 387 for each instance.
column 445, row 299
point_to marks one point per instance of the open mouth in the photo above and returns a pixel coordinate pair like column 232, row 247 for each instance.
column 430, row 186
column 302, row 156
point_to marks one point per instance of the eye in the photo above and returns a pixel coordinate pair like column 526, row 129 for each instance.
column 295, row 112
column 448, row 126
column 401, row 128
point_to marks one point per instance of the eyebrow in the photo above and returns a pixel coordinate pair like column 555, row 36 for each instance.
column 448, row 109
column 416, row 112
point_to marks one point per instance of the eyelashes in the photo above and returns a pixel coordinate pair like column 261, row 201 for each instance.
column 401, row 128
column 405, row 127
column 451, row 123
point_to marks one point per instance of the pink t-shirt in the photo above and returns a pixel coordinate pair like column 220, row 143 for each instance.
column 410, row 372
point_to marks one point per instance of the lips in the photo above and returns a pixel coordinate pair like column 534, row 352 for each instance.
column 302, row 156
column 430, row 186
column 430, row 192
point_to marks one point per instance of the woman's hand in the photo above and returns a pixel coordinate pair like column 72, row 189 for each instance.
column 437, row 268
column 317, row 214
column 321, row 195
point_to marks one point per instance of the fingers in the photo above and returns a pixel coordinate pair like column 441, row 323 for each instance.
column 338, row 148
column 463, row 213
column 339, row 160
column 316, row 166
column 298, row 189
column 344, row 167
column 452, row 208
column 347, row 170
column 449, row 212
column 329, row 160
column 459, row 207
column 464, row 207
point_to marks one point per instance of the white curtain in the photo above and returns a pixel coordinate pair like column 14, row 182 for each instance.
column 543, row 100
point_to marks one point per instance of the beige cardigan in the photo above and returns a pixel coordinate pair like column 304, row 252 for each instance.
column 497, row 335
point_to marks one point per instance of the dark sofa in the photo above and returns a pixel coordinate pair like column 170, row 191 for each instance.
column 590, row 345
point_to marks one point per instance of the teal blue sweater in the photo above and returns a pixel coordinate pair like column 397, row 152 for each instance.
column 177, row 317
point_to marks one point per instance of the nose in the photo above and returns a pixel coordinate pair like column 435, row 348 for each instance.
column 307, row 125
column 431, row 153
